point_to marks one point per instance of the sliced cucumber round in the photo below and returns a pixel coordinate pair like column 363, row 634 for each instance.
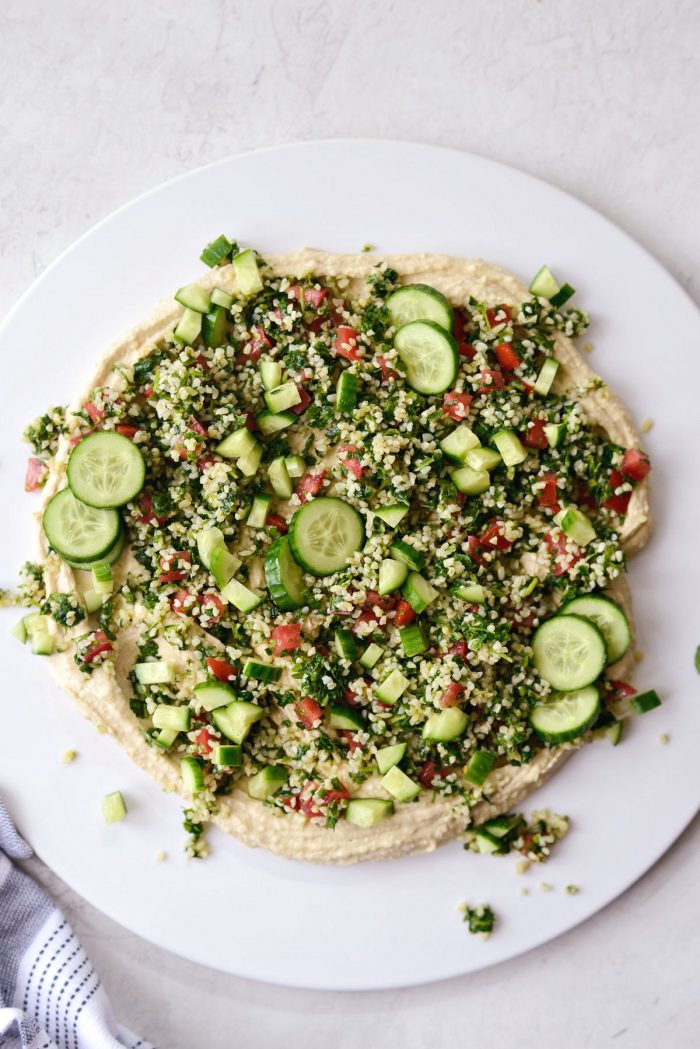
column 109, row 558
column 569, row 652
column 565, row 717
column 610, row 620
column 324, row 534
column 430, row 355
column 419, row 302
column 106, row 470
column 79, row 533
column 284, row 577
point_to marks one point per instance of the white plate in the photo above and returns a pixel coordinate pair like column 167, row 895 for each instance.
column 391, row 924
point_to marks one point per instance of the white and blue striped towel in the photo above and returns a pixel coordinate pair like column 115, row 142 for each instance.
column 50, row 995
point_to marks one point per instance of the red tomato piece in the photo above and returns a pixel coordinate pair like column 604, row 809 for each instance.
column 635, row 465
column 387, row 371
column 306, row 399
column 346, row 343
column 202, row 362
column 618, row 503
column 127, row 430
column 96, row 414
column 211, row 607
column 286, row 638
column 259, row 341
column 221, row 670
column 100, row 644
column 275, row 521
column 534, row 436
column 315, row 297
column 474, row 546
column 429, row 772
column 506, row 356
column 183, row 602
column 452, row 696
column 457, row 405
column 547, row 496
column 351, row 463
column 203, row 740
column 491, row 379
column 205, row 461
column 35, row 475
column 310, row 485
column 563, row 559
column 375, row 600
column 147, row 516
column 621, row 690
column 308, row 711
column 352, row 743
column 459, row 648
column 404, row 613
column 176, row 567
column 498, row 315
column 493, row 539
column 148, row 391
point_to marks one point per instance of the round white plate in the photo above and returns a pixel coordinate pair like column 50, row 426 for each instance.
column 373, row 925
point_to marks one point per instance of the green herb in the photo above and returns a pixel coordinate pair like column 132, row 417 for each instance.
column 64, row 608
column 480, row 919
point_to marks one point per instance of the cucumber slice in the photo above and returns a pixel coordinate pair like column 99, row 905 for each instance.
column 211, row 695
column 576, row 525
column 215, row 327
column 78, row 532
column 257, row 517
column 459, row 443
column 645, row 701
column 169, row 717
column 112, row 555
column 419, row 302
column 610, row 620
column 470, row 481
column 240, row 442
column 368, row 812
column 324, row 534
column 237, row 719
column 446, row 726
column 392, row 687
column 282, row 397
column 480, row 764
column 543, row 283
column 267, row 782
column 227, row 755
column 412, row 640
column 472, row 593
column 159, row 672
column 418, row 592
column 392, row 575
column 106, row 470
column 548, row 371
column 207, row 541
column 342, row 717
column 240, row 596
column 371, row 656
column 510, row 447
column 245, row 266
column 483, row 459
column 193, row 297
column 346, row 645
column 223, row 565
column 266, row 672
column 296, row 466
column 346, row 392
column 165, row 738
column 248, row 464
column 554, row 433
column 392, row 515
column 429, row 354
column 221, row 298
column 113, row 807
column 401, row 786
column 191, row 775
column 268, row 423
column 387, row 757
column 189, row 327
column 284, row 577
column 569, row 652
column 279, row 478
column 402, row 551
column 270, row 373
column 566, row 717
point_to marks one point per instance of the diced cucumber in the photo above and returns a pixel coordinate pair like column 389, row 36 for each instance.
column 548, row 371
column 165, row 738
column 324, row 534
column 238, row 443
column 207, row 541
column 248, row 464
column 387, row 757
column 188, row 328
column 193, row 297
column 35, row 623
column 93, row 601
column 445, row 726
column 245, row 266
column 470, row 481
column 500, row 826
column 613, row 732
column 392, row 575
column 42, row 643
column 371, row 656
column 554, row 433
column 392, row 515
column 399, row 785
column 576, row 525
column 510, row 447
column 106, row 470
column 412, row 639
column 419, row 302
column 266, row 672
column 268, row 423
column 563, row 295
column 368, row 812
column 236, row 720
column 270, row 373
column 227, row 755
column 345, row 644
column 257, row 517
column 392, row 687
column 192, row 775
column 429, row 354
column 459, row 443
column 645, row 701
column 480, row 764
column 566, row 716
column 160, row 672
column 343, row 717
column 267, row 782
column 213, row 694
column 279, row 478
column 102, row 578
column 610, row 620
column 296, row 466
column 240, row 596
column 223, row 565
column 113, row 807
column 222, row 298
column 483, row 459
column 78, row 532
column 402, row 551
column 217, row 252
column 215, row 327
column 19, row 631
column 486, row 842
column 346, row 392
column 284, row 577
column 472, row 593
column 418, row 592
column 569, row 652
column 283, row 397
column 177, row 719
column 543, row 283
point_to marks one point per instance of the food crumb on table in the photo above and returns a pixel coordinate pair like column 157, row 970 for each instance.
column 68, row 756
column 646, row 425
column 161, row 856
column 572, row 890
column 544, row 886
column 664, row 738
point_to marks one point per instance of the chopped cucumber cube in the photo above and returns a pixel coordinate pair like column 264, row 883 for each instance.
column 213, row 694
column 268, row 423
column 548, row 371
column 393, row 514
column 215, row 327
column 343, row 717
column 192, row 775
column 165, row 738
column 644, row 701
column 472, row 593
column 346, row 392
column 267, row 782
column 392, row 687
column 368, row 812
column 279, row 478
column 193, row 297
column 102, row 578
column 218, row 252
column 613, row 732
column 270, row 373
column 402, row 551
column 245, row 266
column 482, row 459
column 296, row 466
column 169, row 717
column 282, row 397
column 418, row 592
column 19, row 630
column 480, row 764
column 113, row 807
column 238, row 443
column 227, row 755
column 554, row 433
column 222, row 298
column 345, row 644
column 93, row 600
column 401, row 786
column 412, row 639
column 207, row 541
column 156, row 673
column 576, row 525
column 371, row 656
column 387, row 757
column 447, row 725
column 240, row 596
column 259, row 511
column 189, row 327
column 42, row 643
column 543, row 283
column 223, row 565
column 248, row 464
column 266, row 672
column 470, row 481
column 510, row 447
column 392, row 575
column 458, row 443
column 236, row 720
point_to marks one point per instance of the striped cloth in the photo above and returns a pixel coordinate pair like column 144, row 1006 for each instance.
column 50, row 995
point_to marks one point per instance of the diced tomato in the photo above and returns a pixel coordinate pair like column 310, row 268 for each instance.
column 148, row 517
column 493, row 538
column 196, row 427
column 172, row 577
column 286, row 638
column 294, row 292
column 148, row 391
column 376, row 600
column 259, row 341
column 506, row 356
column 346, row 343
column 96, row 414
column 404, row 613
column 452, row 696
column 498, row 315
column 534, row 435
column 528, row 387
column 202, row 362
column 184, row 453
column 491, row 379
column 127, row 430
column 457, row 405
column 315, row 297
column 526, row 620
column 387, row 371
column 183, row 602
column 635, row 465
column 308, row 711
column 100, row 644
column 620, row 689
column 584, row 497
column 367, row 615
column 459, row 648
column 342, row 794
column 618, row 503
column 221, row 670
column 35, row 475
column 429, row 772
column 205, row 461
column 350, row 697
column 459, row 331
column 306, row 399
column 310, row 485
column 275, row 521
column 176, row 567
column 352, row 743
column 250, row 422
column 474, row 547
column 351, row 463
column 203, row 740
column 211, row 607
column 547, row 496
column 563, row 559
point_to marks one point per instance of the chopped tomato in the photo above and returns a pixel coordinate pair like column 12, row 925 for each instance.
column 286, row 638
column 148, row 516
column 459, row 331
column 526, row 619
column 404, row 613
column 621, row 690
column 352, row 743
column 185, row 453
column 474, row 547
column 342, row 794
column 351, row 463
column 260, row 341
column 275, row 521
column 308, row 711
column 315, row 297
column 534, row 436
column 196, row 427
column 35, row 475
column 498, row 315
column 506, row 356
column 547, row 496
column 459, row 648
column 310, row 485
column 452, row 696
column 493, row 538
column 306, row 399
column 376, row 600
column 205, row 461
column 202, row 362
column 491, row 379
column 350, row 697
column 221, row 670
column 429, row 772
column 100, row 644
column 183, row 602
column 618, row 503
column 211, row 607
column 96, row 414
column 635, row 465
column 203, row 740
column 346, row 343
column 457, row 405
column 148, row 391
column 175, row 567
column 562, row 557
column 367, row 615
column 387, row 371
column 127, row 430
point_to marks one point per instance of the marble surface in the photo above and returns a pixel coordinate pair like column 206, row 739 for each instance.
column 101, row 102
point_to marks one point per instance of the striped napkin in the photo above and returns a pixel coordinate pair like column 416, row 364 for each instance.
column 50, row 995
